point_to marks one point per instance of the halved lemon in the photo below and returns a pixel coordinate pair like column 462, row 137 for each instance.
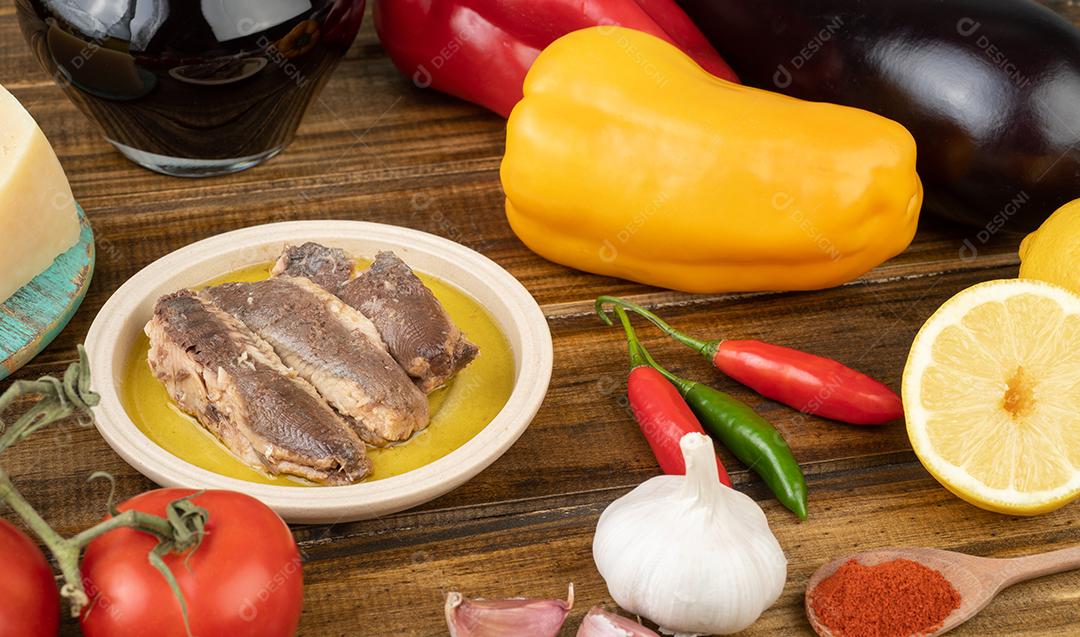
column 992, row 396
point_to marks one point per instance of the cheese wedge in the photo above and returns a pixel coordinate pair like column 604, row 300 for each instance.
column 38, row 221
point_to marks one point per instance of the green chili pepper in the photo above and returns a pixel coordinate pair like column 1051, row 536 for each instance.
column 749, row 436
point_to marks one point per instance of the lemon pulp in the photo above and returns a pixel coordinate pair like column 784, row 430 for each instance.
column 992, row 395
column 458, row 411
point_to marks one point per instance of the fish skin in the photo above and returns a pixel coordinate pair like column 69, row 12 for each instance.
column 215, row 369
column 328, row 267
column 333, row 347
column 420, row 334
column 415, row 327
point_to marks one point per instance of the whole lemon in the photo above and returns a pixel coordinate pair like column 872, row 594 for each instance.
column 1052, row 253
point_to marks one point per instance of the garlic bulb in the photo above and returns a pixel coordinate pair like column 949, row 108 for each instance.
column 600, row 623
column 689, row 553
column 506, row 617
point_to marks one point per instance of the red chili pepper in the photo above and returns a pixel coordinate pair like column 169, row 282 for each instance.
column 480, row 50
column 661, row 413
column 812, row 384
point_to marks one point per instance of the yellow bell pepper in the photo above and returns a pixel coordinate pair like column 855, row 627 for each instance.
column 625, row 158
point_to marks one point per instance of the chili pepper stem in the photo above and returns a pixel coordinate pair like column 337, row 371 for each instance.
column 60, row 399
column 642, row 354
column 705, row 348
column 749, row 436
column 638, row 356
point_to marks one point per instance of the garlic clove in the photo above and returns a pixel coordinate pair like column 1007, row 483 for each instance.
column 600, row 623
column 506, row 617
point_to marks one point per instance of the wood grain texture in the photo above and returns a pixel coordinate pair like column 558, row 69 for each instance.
column 373, row 147
column 37, row 312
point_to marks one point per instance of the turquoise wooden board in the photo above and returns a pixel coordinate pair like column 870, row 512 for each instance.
column 34, row 315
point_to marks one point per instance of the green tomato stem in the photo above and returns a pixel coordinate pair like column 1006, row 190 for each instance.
column 137, row 520
column 65, row 553
column 181, row 531
column 59, row 400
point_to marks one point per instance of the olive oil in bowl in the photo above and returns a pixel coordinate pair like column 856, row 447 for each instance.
column 459, row 410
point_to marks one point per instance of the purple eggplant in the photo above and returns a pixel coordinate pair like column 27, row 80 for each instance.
column 990, row 89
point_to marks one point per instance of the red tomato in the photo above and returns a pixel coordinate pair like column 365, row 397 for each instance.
column 245, row 580
column 29, row 601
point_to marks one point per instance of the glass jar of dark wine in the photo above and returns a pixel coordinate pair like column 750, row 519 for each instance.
column 192, row 88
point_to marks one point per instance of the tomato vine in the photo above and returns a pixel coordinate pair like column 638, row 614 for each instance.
column 180, row 531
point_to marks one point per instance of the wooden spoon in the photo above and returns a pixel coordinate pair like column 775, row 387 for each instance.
column 977, row 579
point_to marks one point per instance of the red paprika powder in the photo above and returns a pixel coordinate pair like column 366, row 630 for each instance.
column 899, row 598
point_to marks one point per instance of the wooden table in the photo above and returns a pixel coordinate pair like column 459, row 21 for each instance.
column 375, row 148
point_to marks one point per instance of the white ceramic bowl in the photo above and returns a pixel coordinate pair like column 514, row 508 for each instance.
column 117, row 326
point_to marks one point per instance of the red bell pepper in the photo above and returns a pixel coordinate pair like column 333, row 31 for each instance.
column 480, row 50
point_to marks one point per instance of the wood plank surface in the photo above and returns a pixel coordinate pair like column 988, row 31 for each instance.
column 373, row 147
column 37, row 313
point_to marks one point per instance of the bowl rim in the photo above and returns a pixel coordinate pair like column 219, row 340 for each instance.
column 533, row 363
